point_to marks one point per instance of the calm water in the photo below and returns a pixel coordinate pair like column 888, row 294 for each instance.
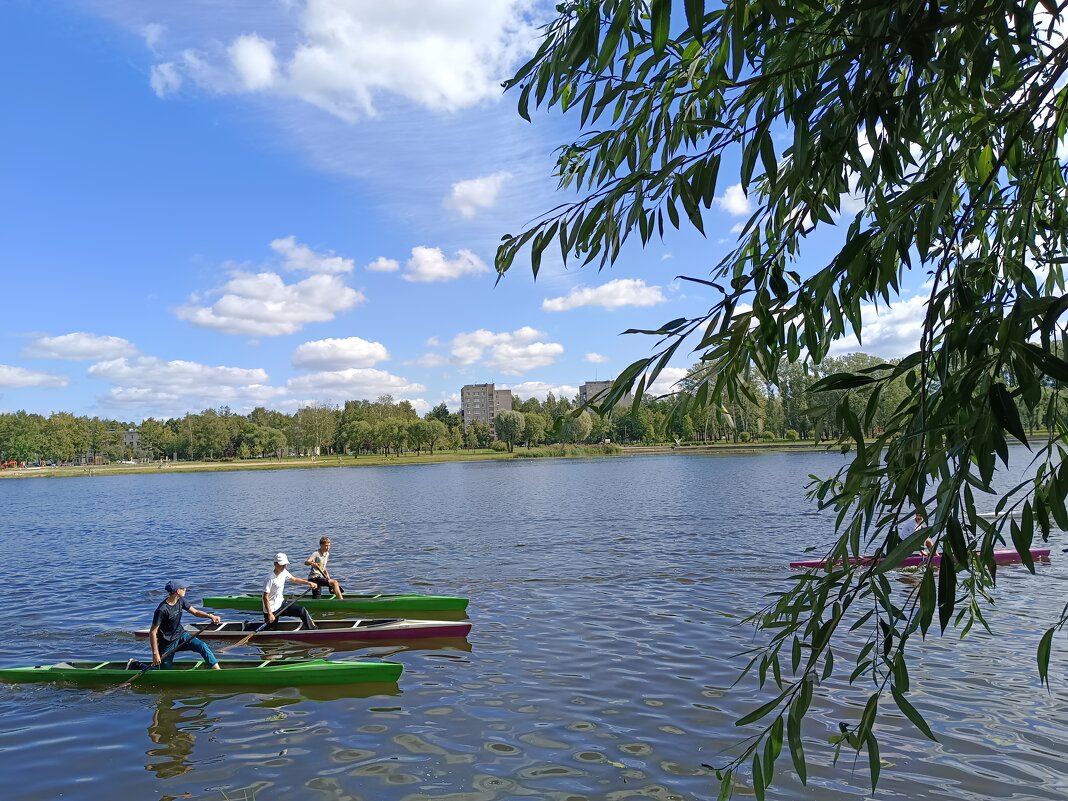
column 605, row 597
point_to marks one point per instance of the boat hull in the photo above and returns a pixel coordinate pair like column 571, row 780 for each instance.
column 331, row 630
column 388, row 604
column 235, row 673
column 1001, row 557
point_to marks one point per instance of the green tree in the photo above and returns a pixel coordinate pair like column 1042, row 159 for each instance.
column 577, row 428
column 928, row 134
column 534, row 426
column 509, row 427
column 436, row 433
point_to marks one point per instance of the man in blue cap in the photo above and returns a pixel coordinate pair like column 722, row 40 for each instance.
column 167, row 635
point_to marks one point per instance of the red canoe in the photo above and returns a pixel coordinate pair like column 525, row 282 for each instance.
column 331, row 630
column 1002, row 557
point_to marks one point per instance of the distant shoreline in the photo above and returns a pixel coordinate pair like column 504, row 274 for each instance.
column 441, row 457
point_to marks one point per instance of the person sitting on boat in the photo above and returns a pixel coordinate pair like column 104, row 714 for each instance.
column 167, row 635
column 274, row 594
column 319, row 574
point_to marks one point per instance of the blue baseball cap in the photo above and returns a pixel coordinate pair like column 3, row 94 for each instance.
column 176, row 584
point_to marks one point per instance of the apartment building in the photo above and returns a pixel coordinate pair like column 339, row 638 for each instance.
column 482, row 402
column 596, row 391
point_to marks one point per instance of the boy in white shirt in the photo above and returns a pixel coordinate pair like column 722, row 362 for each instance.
column 274, row 595
column 319, row 574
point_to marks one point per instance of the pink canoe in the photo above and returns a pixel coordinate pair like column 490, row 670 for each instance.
column 328, row 630
column 1002, row 557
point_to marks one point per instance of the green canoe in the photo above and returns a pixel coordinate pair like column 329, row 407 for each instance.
column 352, row 603
column 234, row 673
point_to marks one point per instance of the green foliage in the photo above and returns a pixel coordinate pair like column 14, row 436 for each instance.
column 499, row 446
column 791, row 435
column 509, row 426
column 940, row 123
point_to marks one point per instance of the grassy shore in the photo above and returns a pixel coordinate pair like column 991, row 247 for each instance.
column 305, row 462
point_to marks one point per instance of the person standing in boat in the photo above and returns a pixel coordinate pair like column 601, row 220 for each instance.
column 274, row 594
column 167, row 634
column 319, row 573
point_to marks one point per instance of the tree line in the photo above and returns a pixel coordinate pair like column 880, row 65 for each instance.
column 784, row 410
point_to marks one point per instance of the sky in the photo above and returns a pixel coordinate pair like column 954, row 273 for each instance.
column 274, row 203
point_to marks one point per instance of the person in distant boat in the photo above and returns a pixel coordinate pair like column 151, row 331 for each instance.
column 914, row 525
column 319, row 572
column 274, row 595
column 167, row 634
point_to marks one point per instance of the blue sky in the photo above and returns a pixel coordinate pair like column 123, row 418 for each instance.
column 276, row 203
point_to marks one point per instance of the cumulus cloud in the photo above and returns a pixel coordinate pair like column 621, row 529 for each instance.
column 734, row 201
column 596, row 358
column 302, row 257
column 540, row 390
column 511, row 353
column 263, row 304
column 19, row 378
column 889, row 331
column 165, row 79
column 148, row 382
column 467, row 197
column 339, row 354
column 384, row 265
column 152, row 33
column 428, row 360
column 79, row 346
column 352, row 384
column 253, row 61
column 343, row 56
column 665, row 383
column 613, row 295
column 429, row 264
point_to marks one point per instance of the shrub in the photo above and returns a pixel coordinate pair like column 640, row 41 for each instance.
column 744, row 436
column 499, row 446
column 792, row 435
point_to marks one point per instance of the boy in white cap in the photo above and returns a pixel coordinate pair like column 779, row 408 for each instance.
column 274, row 594
column 167, row 635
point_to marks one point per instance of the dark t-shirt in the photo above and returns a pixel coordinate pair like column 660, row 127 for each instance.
column 169, row 620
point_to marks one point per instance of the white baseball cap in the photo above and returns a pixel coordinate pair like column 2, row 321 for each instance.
column 281, row 559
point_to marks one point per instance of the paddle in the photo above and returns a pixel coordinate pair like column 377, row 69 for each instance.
column 277, row 615
column 173, row 647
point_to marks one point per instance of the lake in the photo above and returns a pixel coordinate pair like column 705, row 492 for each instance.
column 605, row 597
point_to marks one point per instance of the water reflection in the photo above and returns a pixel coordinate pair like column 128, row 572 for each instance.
column 174, row 720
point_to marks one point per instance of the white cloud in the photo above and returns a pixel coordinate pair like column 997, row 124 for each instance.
column 432, row 342
column 887, row 331
column 467, row 197
column 19, row 377
column 253, row 61
column 338, row 354
column 613, row 295
column 165, row 79
column 302, row 257
column 347, row 56
column 152, row 32
column 384, row 265
column 596, row 358
column 734, row 201
column 511, row 353
column 264, row 305
column 430, row 264
column 79, row 346
column 150, row 383
column 352, row 384
column 665, row 382
column 539, row 390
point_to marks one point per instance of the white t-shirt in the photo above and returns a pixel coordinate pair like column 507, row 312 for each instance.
column 320, row 559
column 276, row 588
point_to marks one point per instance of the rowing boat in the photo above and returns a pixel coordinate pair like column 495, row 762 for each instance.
column 351, row 603
column 331, row 630
column 234, row 673
column 1001, row 557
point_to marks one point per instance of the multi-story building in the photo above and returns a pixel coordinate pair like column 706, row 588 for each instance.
column 595, row 392
column 482, row 402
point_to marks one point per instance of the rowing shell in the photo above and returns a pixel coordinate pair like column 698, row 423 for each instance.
column 331, row 630
column 1001, row 557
